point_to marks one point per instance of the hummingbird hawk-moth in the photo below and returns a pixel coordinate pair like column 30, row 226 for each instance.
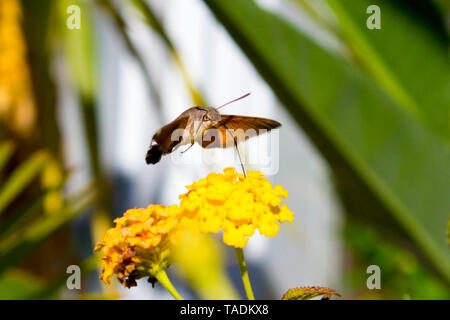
column 207, row 127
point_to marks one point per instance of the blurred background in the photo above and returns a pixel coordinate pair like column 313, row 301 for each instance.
column 363, row 150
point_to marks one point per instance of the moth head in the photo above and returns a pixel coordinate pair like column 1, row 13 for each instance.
column 211, row 115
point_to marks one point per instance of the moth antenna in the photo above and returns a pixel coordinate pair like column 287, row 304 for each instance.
column 244, row 96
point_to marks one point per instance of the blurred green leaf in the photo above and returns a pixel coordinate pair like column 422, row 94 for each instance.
column 19, row 244
column 17, row 285
column 151, row 19
column 121, row 27
column 27, row 212
column 81, row 55
column 18, row 218
column 390, row 167
column 37, row 27
column 51, row 290
column 402, row 274
column 21, row 177
column 422, row 86
column 6, row 150
column 81, row 49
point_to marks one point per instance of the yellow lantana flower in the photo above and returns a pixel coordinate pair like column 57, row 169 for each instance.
column 139, row 245
column 236, row 204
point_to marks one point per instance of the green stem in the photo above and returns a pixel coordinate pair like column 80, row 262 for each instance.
column 244, row 274
column 165, row 281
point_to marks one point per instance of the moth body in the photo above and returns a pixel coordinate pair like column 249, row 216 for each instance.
column 207, row 127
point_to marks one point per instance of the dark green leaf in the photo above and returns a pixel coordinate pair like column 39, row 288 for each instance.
column 6, row 150
column 390, row 164
column 21, row 177
column 15, row 247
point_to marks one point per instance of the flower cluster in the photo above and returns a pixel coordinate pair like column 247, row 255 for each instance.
column 139, row 245
column 236, row 204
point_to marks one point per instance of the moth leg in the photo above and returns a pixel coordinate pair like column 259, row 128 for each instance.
column 188, row 148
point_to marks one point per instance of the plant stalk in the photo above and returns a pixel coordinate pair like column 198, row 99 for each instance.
column 165, row 281
column 244, row 274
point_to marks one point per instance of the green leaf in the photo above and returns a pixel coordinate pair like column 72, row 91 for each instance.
column 121, row 27
column 391, row 166
column 6, row 150
column 50, row 290
column 15, row 247
column 418, row 79
column 307, row 293
column 151, row 19
column 81, row 56
column 80, row 48
column 17, row 285
column 22, row 215
column 21, row 177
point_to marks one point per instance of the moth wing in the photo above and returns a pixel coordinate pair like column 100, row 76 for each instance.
column 241, row 127
column 170, row 135
column 245, row 123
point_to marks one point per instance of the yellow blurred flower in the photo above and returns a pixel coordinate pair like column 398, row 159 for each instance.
column 139, row 245
column 17, row 110
column 200, row 261
column 52, row 179
column 236, row 204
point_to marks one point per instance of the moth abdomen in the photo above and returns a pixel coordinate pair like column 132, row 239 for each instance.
column 154, row 154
